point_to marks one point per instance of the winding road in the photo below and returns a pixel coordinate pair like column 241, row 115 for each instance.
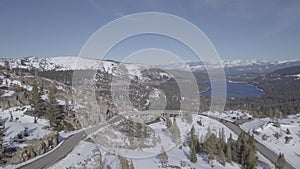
column 266, row 152
column 67, row 146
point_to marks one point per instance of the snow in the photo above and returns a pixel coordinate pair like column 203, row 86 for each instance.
column 8, row 93
column 297, row 76
column 263, row 162
column 87, row 154
column 8, row 83
column 84, row 155
column 256, row 124
column 61, row 102
column 18, row 124
column 12, row 129
column 134, row 70
column 60, row 88
column 231, row 115
column 18, row 112
column 266, row 127
column 44, row 97
column 31, row 160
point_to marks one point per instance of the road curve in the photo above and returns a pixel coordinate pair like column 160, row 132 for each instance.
column 266, row 152
column 66, row 147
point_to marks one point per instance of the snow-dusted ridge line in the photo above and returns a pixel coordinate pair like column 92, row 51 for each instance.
column 75, row 62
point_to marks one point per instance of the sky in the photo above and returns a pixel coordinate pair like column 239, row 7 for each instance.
column 238, row 29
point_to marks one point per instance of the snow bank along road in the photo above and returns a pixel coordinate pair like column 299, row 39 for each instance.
column 66, row 147
column 269, row 154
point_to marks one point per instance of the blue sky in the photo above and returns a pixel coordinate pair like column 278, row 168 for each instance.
column 265, row 30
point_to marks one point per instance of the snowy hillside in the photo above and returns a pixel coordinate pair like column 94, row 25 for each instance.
column 282, row 139
column 87, row 154
column 74, row 62
column 17, row 125
column 51, row 63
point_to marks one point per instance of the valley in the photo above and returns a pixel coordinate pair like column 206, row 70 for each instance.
column 113, row 114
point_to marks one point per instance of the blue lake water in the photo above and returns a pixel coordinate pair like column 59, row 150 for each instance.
column 238, row 89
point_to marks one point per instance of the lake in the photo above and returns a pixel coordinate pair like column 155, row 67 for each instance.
column 238, row 89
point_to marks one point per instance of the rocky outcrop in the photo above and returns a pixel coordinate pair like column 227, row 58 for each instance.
column 18, row 99
column 35, row 147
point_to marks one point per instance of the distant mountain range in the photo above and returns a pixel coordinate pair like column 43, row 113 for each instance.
column 233, row 68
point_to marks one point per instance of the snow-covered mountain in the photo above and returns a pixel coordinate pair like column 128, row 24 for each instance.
column 57, row 63
column 237, row 65
column 63, row 63
column 74, row 62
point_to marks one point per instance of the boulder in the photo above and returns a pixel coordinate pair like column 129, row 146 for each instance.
column 35, row 147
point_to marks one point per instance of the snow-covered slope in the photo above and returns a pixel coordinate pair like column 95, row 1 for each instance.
column 86, row 154
column 266, row 134
column 17, row 125
column 51, row 63
column 74, row 62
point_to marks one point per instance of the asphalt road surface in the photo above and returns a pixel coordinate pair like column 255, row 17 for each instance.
column 266, row 152
column 66, row 147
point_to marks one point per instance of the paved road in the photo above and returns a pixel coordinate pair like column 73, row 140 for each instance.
column 66, row 147
column 266, row 152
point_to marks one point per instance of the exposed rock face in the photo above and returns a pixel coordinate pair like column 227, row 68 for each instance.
column 35, row 148
column 18, row 99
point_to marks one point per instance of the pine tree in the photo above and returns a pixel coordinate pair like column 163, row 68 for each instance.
column 193, row 156
column 168, row 122
column 36, row 102
column 221, row 154
column 192, row 135
column 229, row 149
column 131, row 165
column 281, row 162
column 175, row 131
column 124, row 164
column 222, row 138
column 194, row 138
column 246, row 151
column 210, row 156
column 208, row 133
column 6, row 65
column 52, row 111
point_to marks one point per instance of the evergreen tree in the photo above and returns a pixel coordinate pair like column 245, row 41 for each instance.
column 246, row 151
column 124, row 164
column 131, row 165
column 208, row 133
column 168, row 122
column 52, row 111
column 174, row 129
column 221, row 154
column 229, row 149
column 222, row 138
column 6, row 65
column 194, row 138
column 210, row 156
column 193, row 156
column 281, row 162
column 36, row 102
